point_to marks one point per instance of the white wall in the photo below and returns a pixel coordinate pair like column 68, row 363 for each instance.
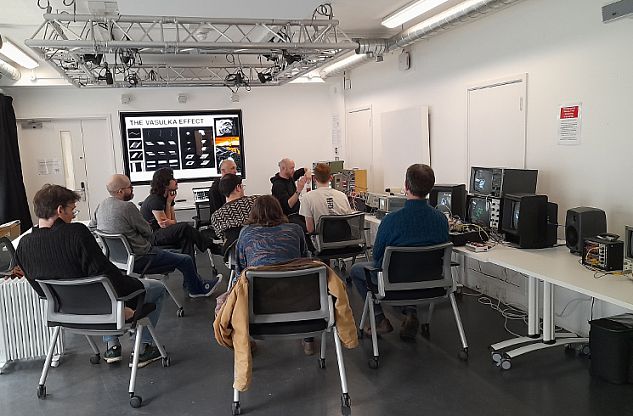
column 569, row 56
column 290, row 121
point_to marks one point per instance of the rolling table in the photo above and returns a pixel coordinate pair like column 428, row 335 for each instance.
column 554, row 267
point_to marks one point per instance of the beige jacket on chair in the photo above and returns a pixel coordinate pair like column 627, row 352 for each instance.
column 231, row 323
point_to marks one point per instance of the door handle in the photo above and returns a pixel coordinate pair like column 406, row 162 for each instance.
column 82, row 191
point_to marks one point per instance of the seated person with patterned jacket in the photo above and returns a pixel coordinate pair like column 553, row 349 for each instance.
column 234, row 213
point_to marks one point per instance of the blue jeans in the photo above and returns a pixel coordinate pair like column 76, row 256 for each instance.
column 154, row 293
column 357, row 273
column 165, row 258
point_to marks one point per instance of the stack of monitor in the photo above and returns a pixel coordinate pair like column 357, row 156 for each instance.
column 503, row 199
column 628, row 247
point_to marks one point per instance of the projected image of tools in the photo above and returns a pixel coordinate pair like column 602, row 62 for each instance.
column 196, row 144
column 161, row 148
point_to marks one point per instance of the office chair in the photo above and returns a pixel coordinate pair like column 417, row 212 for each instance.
column 90, row 307
column 412, row 276
column 119, row 252
column 7, row 256
column 294, row 304
column 202, row 221
column 340, row 237
column 230, row 252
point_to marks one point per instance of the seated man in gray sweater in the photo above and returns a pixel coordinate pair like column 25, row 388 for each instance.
column 117, row 215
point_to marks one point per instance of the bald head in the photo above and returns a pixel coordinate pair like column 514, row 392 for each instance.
column 286, row 168
column 120, row 187
column 228, row 166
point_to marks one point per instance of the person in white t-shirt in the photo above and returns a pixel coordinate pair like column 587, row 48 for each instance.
column 323, row 200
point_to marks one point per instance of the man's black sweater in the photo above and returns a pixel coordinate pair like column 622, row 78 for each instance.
column 283, row 189
column 67, row 251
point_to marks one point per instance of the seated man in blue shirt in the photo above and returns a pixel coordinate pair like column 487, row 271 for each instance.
column 418, row 225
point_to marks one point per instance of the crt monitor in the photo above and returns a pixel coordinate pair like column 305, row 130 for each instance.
column 628, row 243
column 449, row 199
column 525, row 220
column 479, row 211
column 481, row 181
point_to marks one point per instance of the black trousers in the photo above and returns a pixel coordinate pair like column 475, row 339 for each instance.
column 182, row 236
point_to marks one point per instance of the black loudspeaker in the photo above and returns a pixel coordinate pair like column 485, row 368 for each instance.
column 581, row 223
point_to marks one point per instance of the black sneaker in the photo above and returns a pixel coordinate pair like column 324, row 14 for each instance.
column 208, row 287
column 148, row 356
column 113, row 354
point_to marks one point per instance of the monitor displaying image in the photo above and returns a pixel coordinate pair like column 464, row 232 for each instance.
column 479, row 211
column 516, row 209
column 482, row 181
column 444, row 201
column 193, row 144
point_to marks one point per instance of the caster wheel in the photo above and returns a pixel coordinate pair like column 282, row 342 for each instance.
column 321, row 362
column 374, row 363
column 343, row 267
column 180, row 313
column 236, row 408
column 166, row 361
column 346, row 405
column 585, row 350
column 361, row 334
column 506, row 364
column 463, row 354
column 95, row 359
column 496, row 357
column 41, row 392
column 425, row 330
column 136, row 401
column 570, row 349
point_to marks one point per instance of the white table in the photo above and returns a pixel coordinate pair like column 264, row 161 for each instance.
column 554, row 267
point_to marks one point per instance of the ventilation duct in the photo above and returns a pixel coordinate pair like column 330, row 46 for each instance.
column 465, row 11
column 9, row 71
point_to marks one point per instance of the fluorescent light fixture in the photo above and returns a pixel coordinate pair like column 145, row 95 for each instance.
column 307, row 80
column 17, row 55
column 350, row 60
column 410, row 12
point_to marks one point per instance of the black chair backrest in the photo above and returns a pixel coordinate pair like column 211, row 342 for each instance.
column 7, row 255
column 231, row 235
column 334, row 231
column 287, row 296
column 85, row 301
column 410, row 268
column 203, row 212
column 118, row 249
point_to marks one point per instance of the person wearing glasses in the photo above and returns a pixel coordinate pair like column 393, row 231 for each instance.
column 61, row 249
column 118, row 215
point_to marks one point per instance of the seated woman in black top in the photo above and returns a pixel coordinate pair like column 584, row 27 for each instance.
column 158, row 210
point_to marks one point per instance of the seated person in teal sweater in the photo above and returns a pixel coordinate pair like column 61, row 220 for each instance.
column 418, row 225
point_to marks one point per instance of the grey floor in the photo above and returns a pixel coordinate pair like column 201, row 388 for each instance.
column 425, row 377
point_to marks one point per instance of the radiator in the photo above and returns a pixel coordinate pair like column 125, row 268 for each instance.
column 23, row 330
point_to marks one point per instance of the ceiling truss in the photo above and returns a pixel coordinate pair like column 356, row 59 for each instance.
column 117, row 51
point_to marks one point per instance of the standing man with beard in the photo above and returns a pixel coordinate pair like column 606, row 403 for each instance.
column 117, row 215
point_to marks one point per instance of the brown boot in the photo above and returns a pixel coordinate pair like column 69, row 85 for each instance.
column 409, row 328
column 382, row 327
column 308, row 347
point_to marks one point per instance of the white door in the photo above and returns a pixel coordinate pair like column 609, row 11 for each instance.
column 359, row 143
column 54, row 153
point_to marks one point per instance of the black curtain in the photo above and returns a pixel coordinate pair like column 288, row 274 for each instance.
column 13, row 202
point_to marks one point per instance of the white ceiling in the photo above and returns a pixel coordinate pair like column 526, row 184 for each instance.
column 357, row 17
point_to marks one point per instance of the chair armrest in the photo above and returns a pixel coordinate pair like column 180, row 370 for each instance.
column 368, row 269
column 132, row 295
